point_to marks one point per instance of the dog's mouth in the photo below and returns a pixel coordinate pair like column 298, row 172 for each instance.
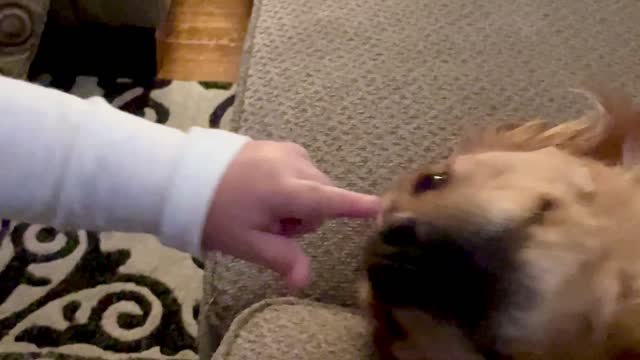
column 458, row 276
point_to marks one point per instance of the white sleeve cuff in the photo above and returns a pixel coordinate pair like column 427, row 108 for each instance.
column 201, row 164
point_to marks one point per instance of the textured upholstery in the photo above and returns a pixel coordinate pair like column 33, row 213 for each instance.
column 373, row 87
column 283, row 329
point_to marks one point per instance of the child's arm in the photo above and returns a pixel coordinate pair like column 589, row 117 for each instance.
column 82, row 164
column 76, row 163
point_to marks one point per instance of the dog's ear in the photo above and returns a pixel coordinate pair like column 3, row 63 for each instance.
column 615, row 125
column 610, row 134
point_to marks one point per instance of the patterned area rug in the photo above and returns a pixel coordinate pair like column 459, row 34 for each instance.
column 106, row 295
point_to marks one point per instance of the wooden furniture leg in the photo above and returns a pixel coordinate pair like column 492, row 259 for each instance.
column 202, row 40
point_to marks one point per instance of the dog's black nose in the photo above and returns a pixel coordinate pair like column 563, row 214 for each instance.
column 400, row 231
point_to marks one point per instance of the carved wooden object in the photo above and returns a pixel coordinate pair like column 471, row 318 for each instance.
column 21, row 24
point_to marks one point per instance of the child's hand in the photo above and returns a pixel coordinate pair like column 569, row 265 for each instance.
column 270, row 193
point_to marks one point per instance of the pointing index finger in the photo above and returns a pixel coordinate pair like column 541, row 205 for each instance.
column 311, row 199
column 339, row 202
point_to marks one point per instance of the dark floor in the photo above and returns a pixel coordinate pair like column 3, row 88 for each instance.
column 96, row 50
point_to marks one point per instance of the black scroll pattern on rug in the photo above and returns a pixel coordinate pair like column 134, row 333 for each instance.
column 94, row 268
column 116, row 88
column 127, row 94
column 219, row 111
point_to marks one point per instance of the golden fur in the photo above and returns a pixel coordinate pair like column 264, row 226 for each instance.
column 574, row 192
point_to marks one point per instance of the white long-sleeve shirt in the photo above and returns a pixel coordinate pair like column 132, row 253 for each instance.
column 82, row 164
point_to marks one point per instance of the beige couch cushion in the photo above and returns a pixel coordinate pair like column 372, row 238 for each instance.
column 285, row 328
column 372, row 87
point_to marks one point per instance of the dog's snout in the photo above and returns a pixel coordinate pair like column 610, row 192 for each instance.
column 432, row 268
column 450, row 263
column 388, row 207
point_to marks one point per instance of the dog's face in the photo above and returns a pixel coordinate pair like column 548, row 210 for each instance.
column 516, row 247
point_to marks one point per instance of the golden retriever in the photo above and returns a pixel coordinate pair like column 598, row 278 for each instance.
column 524, row 244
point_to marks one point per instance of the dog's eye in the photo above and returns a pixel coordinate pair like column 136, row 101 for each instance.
column 544, row 206
column 429, row 182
